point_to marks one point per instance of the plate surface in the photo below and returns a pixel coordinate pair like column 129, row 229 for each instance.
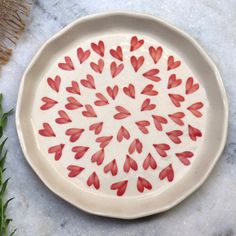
column 122, row 115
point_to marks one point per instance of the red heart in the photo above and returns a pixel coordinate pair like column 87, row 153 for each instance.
column 74, row 133
column 116, row 69
column 98, row 48
column 112, row 92
column 67, row 65
column 172, row 64
column 117, row 53
column 123, row 113
column 63, row 119
column 158, row 121
column 190, row 86
column 57, row 150
column 48, row 103
column 98, row 157
column 80, row 151
column 74, row 170
column 104, row 141
column 195, row 107
column 135, row 43
column 176, row 117
column 161, row 149
column 102, row 101
column 184, row 157
column 142, row 183
column 97, row 127
column 54, row 84
column 168, row 173
column 130, row 91
column 122, row 133
column 135, row 145
column 173, row 82
column 112, row 167
column 151, row 74
column 142, row 125
column 148, row 90
column 194, row 133
column 89, row 82
column 82, row 55
column 155, row 53
column 93, row 180
column 74, row 88
column 130, row 163
column 149, row 162
column 73, row 104
column 147, row 106
column 137, row 62
column 47, row 131
column 97, row 67
column 120, row 187
column 89, row 112
column 176, row 99
column 174, row 135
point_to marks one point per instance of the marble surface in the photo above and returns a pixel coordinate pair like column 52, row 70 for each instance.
column 211, row 210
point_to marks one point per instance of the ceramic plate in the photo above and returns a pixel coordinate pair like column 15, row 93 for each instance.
column 122, row 115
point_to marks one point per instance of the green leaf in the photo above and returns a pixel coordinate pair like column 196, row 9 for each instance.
column 6, row 204
column 4, row 186
column 13, row 232
column 2, row 160
column 2, row 145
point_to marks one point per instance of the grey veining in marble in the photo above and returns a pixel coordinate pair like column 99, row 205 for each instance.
column 209, row 211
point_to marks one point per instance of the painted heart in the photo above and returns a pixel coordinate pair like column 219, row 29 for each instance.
column 194, row 108
column 73, row 104
column 79, row 151
column 116, row 69
column 151, row 74
column 112, row 92
column 172, row 64
column 147, row 106
column 130, row 163
column 123, row 133
column 54, row 83
column 74, row 88
column 184, row 157
column 67, row 65
column 177, row 118
column 176, row 99
column 155, row 53
column 102, row 101
column 168, row 173
column 93, row 180
column 47, row 131
column 63, row 118
column 57, row 150
column 89, row 111
column 174, row 136
column 48, row 103
column 82, row 55
column 96, row 127
column 135, row 43
column 158, row 121
column 190, row 86
column 98, row 48
column 120, row 187
column 173, row 81
column 148, row 90
column 130, row 91
column 142, row 125
column 161, row 149
column 111, row 167
column 122, row 113
column 194, row 133
column 97, row 67
column 142, row 183
column 104, row 141
column 135, row 145
column 118, row 54
column 98, row 157
column 74, row 133
column 137, row 62
column 89, row 82
column 74, row 170
column 149, row 162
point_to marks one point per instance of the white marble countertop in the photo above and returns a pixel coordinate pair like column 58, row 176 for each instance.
column 211, row 210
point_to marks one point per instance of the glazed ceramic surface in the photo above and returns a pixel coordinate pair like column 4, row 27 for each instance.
column 122, row 115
